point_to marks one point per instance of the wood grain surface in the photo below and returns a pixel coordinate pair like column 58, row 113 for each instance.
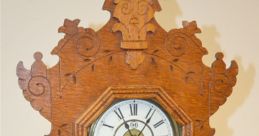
column 130, row 57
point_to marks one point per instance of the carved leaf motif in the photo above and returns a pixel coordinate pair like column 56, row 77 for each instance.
column 70, row 27
column 223, row 81
column 71, row 77
column 190, row 77
column 179, row 41
column 23, row 74
column 71, row 30
column 191, row 27
column 134, row 58
column 35, row 85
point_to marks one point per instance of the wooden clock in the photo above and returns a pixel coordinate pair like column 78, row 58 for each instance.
column 130, row 78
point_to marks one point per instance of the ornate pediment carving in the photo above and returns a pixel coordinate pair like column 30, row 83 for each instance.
column 130, row 50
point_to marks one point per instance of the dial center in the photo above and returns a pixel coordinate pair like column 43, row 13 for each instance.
column 133, row 132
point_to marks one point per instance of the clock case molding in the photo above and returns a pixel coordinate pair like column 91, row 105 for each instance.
column 131, row 57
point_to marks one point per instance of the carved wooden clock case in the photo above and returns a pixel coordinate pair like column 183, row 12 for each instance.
column 125, row 71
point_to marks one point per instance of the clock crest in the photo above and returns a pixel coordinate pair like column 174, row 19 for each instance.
column 131, row 61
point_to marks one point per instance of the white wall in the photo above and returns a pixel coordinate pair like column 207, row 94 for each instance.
column 230, row 26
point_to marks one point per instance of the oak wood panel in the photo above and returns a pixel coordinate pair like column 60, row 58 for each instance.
column 130, row 50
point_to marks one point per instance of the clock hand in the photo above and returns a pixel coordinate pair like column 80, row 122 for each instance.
column 147, row 122
column 127, row 126
column 120, row 115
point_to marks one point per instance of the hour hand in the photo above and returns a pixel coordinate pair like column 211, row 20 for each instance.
column 120, row 115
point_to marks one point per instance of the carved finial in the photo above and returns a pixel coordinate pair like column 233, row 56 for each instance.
column 38, row 56
column 191, row 27
column 70, row 27
column 219, row 65
column 38, row 68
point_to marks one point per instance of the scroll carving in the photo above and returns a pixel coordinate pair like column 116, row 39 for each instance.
column 87, row 43
column 178, row 40
column 35, row 85
column 85, row 40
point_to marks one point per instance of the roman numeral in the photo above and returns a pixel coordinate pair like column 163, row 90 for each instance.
column 108, row 126
column 119, row 114
column 158, row 123
column 133, row 109
column 149, row 112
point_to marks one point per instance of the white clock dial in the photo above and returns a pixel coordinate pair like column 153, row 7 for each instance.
column 133, row 118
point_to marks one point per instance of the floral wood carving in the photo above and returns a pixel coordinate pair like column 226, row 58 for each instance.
column 92, row 61
column 177, row 40
column 223, row 79
column 35, row 85
column 134, row 23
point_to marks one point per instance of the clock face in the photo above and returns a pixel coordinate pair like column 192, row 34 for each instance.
column 134, row 118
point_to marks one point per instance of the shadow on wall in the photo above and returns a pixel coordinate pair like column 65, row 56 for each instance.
column 245, row 82
column 96, row 27
column 241, row 91
column 168, row 15
column 209, row 37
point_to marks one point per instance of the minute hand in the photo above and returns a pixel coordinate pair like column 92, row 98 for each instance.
column 148, row 120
